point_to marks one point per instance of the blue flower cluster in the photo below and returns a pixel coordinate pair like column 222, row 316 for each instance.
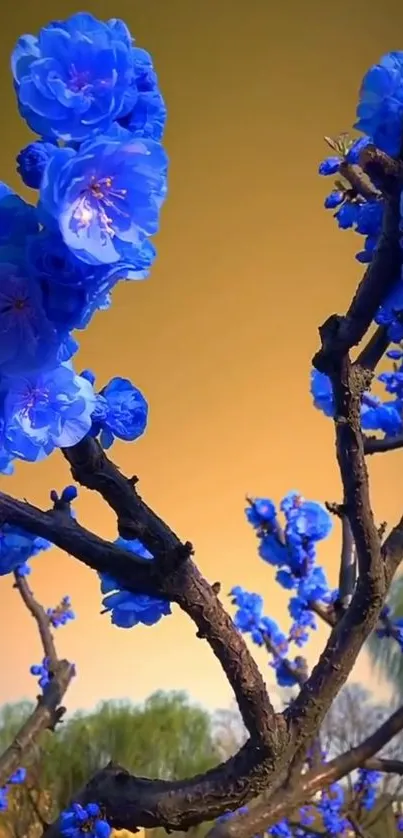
column 100, row 171
column 42, row 671
column 366, row 787
column 353, row 212
column 380, row 118
column 17, row 778
column 16, row 547
column 292, row 550
column 384, row 415
column 330, row 807
column 127, row 609
column 61, row 614
column 86, row 821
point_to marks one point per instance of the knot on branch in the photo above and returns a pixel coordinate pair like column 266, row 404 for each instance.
column 385, row 172
column 328, row 359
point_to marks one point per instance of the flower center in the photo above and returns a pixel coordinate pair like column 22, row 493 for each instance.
column 78, row 80
column 31, row 397
column 96, row 201
column 19, row 304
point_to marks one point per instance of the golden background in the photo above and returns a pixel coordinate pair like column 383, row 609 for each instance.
column 221, row 336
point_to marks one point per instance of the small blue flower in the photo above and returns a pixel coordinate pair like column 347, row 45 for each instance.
column 32, row 161
column 49, row 410
column 106, row 199
column 330, row 166
column 28, row 340
column 322, row 392
column 75, row 78
column 148, row 116
column 129, row 609
column 334, row 199
column 121, row 412
column 380, row 107
column 16, row 547
column 347, row 215
column 18, row 220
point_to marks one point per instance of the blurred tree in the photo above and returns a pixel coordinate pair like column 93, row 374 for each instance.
column 385, row 652
column 165, row 737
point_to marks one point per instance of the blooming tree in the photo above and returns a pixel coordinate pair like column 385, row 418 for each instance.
column 99, row 169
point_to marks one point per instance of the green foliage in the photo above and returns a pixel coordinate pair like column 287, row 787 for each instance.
column 166, row 737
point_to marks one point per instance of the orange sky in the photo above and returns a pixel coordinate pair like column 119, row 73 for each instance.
column 221, row 336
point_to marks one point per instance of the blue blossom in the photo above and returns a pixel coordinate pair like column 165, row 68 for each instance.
column 352, row 156
column 106, row 198
column 347, row 215
column 260, row 511
column 322, row 392
column 380, row 107
column 391, row 307
column 72, row 291
column 330, row 166
column 369, row 219
column 128, row 609
column 61, row 614
column 28, row 340
column 75, row 77
column 17, row 547
column 121, row 412
column 312, row 520
column 334, row 199
column 50, row 410
column 18, row 220
column 84, row 822
column 32, row 161
column 149, row 113
column 282, row 829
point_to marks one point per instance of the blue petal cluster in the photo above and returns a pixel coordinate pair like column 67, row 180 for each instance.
column 366, row 787
column 120, row 412
column 61, row 614
column 380, row 106
column 384, row 415
column 86, row 821
column 17, row 547
column 330, row 806
column 80, row 75
column 92, row 97
column 291, row 549
column 127, row 609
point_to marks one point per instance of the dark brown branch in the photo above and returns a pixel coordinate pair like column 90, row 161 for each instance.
column 377, row 282
column 360, row 182
column 91, row 468
column 46, row 716
column 374, row 350
column 185, row 586
column 373, row 445
column 40, row 616
column 350, row 632
column 386, row 766
column 283, row 803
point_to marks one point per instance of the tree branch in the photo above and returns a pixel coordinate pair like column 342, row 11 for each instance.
column 377, row 282
column 284, row 802
column 40, row 616
column 48, row 711
column 374, row 350
column 373, row 445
